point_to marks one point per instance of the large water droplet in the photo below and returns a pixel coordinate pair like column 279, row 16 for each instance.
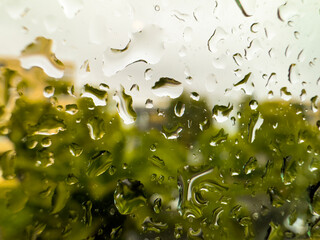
column 99, row 163
column 221, row 113
column 149, row 225
column 124, row 107
column 60, row 197
column 167, row 87
column 129, row 196
column 220, row 137
column 96, row 128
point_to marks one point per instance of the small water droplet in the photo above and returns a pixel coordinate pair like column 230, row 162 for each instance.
column 75, row 149
column 179, row 109
column 72, row 109
column 253, row 104
column 149, row 103
column 48, row 91
column 157, row 205
column 46, row 142
column 157, row 8
column 71, row 179
column 285, row 94
column 167, row 87
column 195, row 96
column 155, row 160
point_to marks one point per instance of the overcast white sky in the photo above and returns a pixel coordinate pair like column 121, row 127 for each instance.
column 172, row 37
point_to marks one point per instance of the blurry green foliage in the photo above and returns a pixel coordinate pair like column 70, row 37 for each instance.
column 73, row 171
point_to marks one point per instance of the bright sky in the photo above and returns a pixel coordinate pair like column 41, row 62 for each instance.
column 172, row 39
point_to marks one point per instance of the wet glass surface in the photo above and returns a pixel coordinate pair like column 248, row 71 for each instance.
column 159, row 119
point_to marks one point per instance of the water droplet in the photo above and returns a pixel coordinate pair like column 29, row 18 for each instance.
column 96, row 128
column 287, row 11
column 75, row 149
column 255, row 123
column 60, row 197
column 48, row 125
column 171, row 133
column 99, row 163
column 285, row 94
column 85, row 66
column 72, row 109
column 157, row 8
column 255, row 27
column 195, row 96
column 243, row 81
column 221, row 113
column 216, row 39
column 155, row 160
column 247, row 7
column 238, row 59
column 178, row 231
column 45, row 158
column 153, row 147
column 276, row 198
column 124, row 107
column 98, row 96
column 253, row 104
column 149, row 225
column 149, row 103
column 48, row 91
column 116, row 232
column 7, row 164
column 87, row 218
column 71, row 179
column 129, row 196
column 314, row 164
column 112, row 170
column 157, row 205
column 46, row 142
column 167, row 87
column 293, row 74
column 179, row 109
column 314, row 103
column 220, row 137
column 148, row 74
column 250, row 165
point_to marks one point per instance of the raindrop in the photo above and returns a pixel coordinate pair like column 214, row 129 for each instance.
column 99, row 163
column 75, row 149
column 7, row 164
column 59, row 198
column 155, row 160
column 71, row 179
column 124, row 107
column 157, row 8
column 129, row 196
column 218, row 37
column 276, row 198
column 220, row 137
column 98, row 96
column 96, row 128
column 148, row 74
column 250, row 165
column 149, row 103
column 221, row 113
column 48, row 91
column 157, row 205
column 149, row 225
column 179, row 109
column 253, row 104
column 314, row 103
column 285, row 94
column 195, row 96
column 46, row 142
column 167, row 87
column 72, row 109
column 255, row 123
